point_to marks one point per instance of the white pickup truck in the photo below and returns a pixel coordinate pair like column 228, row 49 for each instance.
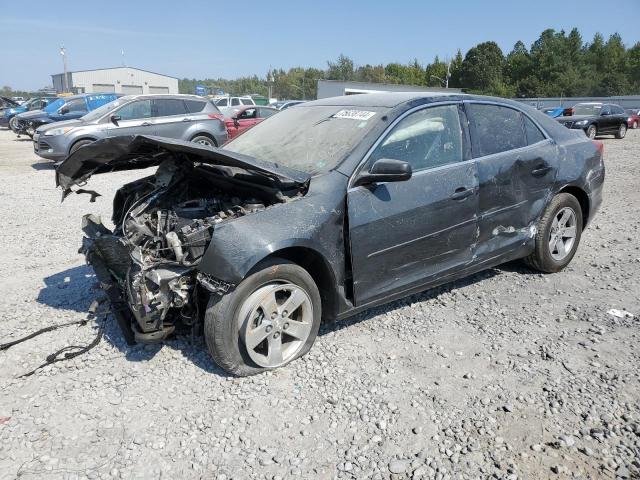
column 230, row 105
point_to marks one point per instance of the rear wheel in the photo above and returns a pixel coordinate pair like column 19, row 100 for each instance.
column 204, row 140
column 270, row 319
column 622, row 131
column 592, row 131
column 558, row 235
column 635, row 124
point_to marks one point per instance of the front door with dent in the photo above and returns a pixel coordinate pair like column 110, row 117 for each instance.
column 408, row 233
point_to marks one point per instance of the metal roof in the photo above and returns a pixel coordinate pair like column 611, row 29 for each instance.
column 115, row 68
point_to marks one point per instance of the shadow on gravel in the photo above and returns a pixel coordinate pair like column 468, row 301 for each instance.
column 43, row 166
column 69, row 289
column 430, row 294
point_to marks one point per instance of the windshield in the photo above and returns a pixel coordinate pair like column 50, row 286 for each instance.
column 104, row 109
column 54, row 106
column 310, row 139
column 587, row 109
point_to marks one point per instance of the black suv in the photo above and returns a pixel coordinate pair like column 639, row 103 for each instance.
column 596, row 119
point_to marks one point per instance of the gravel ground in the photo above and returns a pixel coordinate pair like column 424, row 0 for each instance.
column 506, row 374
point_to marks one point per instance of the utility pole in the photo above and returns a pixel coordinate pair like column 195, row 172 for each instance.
column 446, row 83
column 65, row 86
column 122, row 53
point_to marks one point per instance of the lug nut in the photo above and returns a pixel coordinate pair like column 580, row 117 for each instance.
column 274, row 315
column 285, row 326
column 276, row 335
column 285, row 313
column 269, row 328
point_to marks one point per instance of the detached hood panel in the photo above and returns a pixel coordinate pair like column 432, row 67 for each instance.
column 135, row 152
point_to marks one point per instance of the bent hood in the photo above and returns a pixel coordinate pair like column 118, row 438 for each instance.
column 32, row 114
column 63, row 124
column 133, row 152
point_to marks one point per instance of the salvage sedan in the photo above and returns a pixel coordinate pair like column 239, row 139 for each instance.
column 327, row 209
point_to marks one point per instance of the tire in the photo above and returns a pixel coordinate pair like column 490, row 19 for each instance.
column 543, row 257
column 13, row 124
column 204, row 140
column 591, row 131
column 622, row 131
column 78, row 144
column 635, row 125
column 231, row 318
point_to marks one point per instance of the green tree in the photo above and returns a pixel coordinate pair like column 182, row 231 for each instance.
column 482, row 68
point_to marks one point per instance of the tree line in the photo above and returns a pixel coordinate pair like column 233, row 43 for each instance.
column 556, row 64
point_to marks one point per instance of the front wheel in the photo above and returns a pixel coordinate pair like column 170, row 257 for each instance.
column 558, row 235
column 622, row 131
column 592, row 132
column 270, row 319
column 13, row 124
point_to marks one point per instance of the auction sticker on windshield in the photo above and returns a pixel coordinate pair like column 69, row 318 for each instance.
column 354, row 114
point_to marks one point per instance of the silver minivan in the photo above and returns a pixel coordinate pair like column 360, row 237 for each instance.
column 184, row 117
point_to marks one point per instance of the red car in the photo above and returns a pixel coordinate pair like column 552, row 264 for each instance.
column 634, row 118
column 247, row 117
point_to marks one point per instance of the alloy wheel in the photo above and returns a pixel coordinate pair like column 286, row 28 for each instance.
column 275, row 322
column 562, row 236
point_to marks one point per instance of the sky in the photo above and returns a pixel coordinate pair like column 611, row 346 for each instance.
column 211, row 39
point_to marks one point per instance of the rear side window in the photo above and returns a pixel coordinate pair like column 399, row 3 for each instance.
column 246, row 101
column 194, row 106
column 235, row 102
column 428, row 138
column 495, row 129
column 169, row 106
column 534, row 135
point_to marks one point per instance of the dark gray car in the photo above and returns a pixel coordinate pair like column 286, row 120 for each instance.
column 330, row 208
column 183, row 117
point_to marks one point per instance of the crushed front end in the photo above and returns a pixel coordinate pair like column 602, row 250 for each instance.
column 148, row 264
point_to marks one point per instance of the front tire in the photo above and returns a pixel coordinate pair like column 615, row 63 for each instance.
column 558, row 235
column 592, row 131
column 270, row 319
column 622, row 131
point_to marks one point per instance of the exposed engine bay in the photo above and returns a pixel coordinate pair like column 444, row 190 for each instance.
column 163, row 225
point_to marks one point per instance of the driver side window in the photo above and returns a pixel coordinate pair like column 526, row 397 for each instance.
column 428, row 138
column 135, row 110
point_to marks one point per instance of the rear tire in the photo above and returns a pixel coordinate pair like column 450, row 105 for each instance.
column 204, row 140
column 556, row 243
column 236, row 319
column 592, row 131
column 635, row 124
column 79, row 144
column 622, row 131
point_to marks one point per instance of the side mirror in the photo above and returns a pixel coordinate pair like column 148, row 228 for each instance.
column 63, row 110
column 235, row 122
column 604, row 114
column 115, row 119
column 385, row 170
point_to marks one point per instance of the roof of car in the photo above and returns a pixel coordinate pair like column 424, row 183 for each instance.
column 387, row 99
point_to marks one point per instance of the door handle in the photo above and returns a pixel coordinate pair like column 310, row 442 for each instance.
column 186, row 119
column 145, row 124
column 461, row 193
column 541, row 170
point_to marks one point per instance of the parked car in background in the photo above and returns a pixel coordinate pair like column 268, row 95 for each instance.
column 596, row 119
column 36, row 103
column 18, row 100
column 230, row 105
column 553, row 112
column 284, row 104
column 633, row 121
column 66, row 108
column 185, row 117
column 6, row 102
column 328, row 209
column 246, row 118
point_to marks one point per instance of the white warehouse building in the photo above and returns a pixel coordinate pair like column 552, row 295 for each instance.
column 126, row 80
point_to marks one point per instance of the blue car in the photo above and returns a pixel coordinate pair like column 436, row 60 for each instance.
column 36, row 103
column 66, row 108
column 553, row 112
